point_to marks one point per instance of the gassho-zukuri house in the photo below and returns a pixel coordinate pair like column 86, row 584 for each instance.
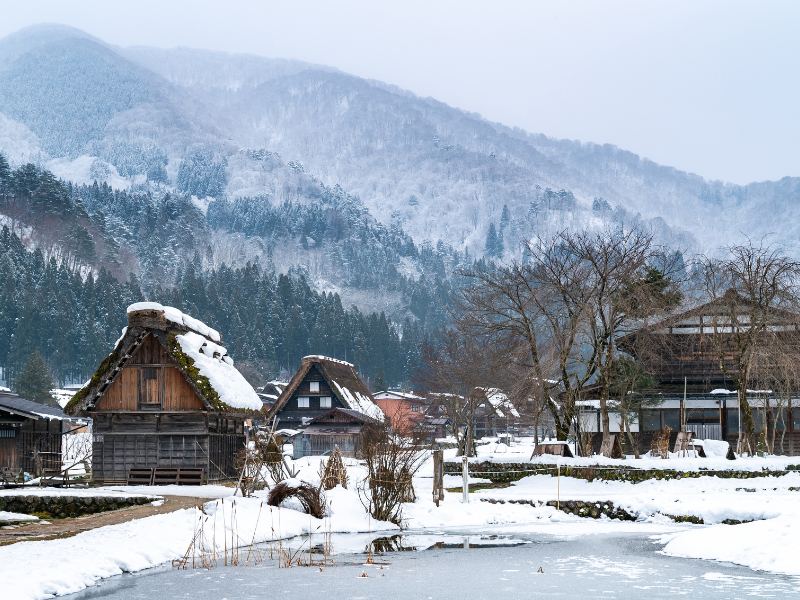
column 168, row 397
column 684, row 360
column 329, row 402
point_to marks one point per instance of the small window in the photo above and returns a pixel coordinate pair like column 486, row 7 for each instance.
column 325, row 402
column 314, row 386
column 302, row 402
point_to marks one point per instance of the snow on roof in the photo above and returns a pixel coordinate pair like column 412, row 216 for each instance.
column 14, row 403
column 399, row 394
column 500, row 402
column 213, row 362
column 178, row 317
column 321, row 357
column 358, row 401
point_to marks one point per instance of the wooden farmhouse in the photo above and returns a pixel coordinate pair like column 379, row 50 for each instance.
column 319, row 386
column 166, row 401
column 30, row 436
column 685, row 354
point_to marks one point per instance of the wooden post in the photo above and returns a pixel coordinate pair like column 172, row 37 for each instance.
column 438, row 476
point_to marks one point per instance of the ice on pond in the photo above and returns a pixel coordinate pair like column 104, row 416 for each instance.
column 459, row 566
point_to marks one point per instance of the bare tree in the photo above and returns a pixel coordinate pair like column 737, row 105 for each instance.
column 755, row 293
column 453, row 368
column 562, row 311
column 620, row 287
column 391, row 462
column 537, row 310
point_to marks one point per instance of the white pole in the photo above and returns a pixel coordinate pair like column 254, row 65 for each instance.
column 465, row 479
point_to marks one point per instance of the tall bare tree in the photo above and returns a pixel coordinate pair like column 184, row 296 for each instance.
column 621, row 286
column 562, row 310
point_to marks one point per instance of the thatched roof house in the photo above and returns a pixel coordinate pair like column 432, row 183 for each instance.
column 168, row 395
column 319, row 385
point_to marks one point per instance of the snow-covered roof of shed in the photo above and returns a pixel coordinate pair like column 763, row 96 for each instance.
column 174, row 315
column 13, row 403
column 213, row 362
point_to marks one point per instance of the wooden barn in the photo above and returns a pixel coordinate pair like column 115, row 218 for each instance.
column 30, row 435
column 166, row 401
column 319, row 385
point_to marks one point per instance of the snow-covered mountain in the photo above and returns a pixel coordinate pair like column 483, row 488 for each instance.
column 89, row 110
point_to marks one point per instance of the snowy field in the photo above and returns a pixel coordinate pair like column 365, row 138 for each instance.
column 229, row 521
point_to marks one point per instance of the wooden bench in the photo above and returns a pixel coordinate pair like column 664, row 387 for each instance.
column 140, row 476
column 191, row 476
column 165, row 476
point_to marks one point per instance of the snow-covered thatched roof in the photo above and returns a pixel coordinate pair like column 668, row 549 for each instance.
column 195, row 349
column 343, row 380
column 500, row 402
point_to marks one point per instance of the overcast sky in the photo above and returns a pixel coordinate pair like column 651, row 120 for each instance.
column 711, row 87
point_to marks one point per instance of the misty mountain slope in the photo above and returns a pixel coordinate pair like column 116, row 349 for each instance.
column 79, row 96
column 437, row 172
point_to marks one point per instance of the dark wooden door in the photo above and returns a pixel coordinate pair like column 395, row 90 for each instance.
column 8, row 450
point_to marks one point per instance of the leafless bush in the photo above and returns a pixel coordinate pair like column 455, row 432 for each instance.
column 311, row 498
column 391, row 465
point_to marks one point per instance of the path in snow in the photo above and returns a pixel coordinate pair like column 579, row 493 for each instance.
column 62, row 528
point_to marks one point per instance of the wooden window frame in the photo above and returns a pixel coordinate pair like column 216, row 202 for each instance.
column 300, row 403
column 144, row 371
column 311, row 385
column 322, row 402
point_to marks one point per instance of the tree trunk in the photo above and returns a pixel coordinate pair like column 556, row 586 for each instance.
column 605, row 424
column 627, row 427
column 747, row 424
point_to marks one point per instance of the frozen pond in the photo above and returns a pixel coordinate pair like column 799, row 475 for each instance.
column 463, row 567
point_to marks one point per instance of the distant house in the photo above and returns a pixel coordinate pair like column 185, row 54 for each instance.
column 339, row 427
column 30, row 434
column 167, row 397
column 405, row 411
column 496, row 415
column 270, row 391
column 682, row 354
column 319, row 385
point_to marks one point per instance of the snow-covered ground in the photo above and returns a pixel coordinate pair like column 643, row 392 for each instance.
column 227, row 521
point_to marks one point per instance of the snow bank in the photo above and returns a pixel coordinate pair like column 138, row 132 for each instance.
column 64, row 566
column 214, row 363
column 770, row 545
column 8, row 517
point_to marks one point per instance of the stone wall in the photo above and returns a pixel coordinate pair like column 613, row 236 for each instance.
column 68, row 506
column 507, row 472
